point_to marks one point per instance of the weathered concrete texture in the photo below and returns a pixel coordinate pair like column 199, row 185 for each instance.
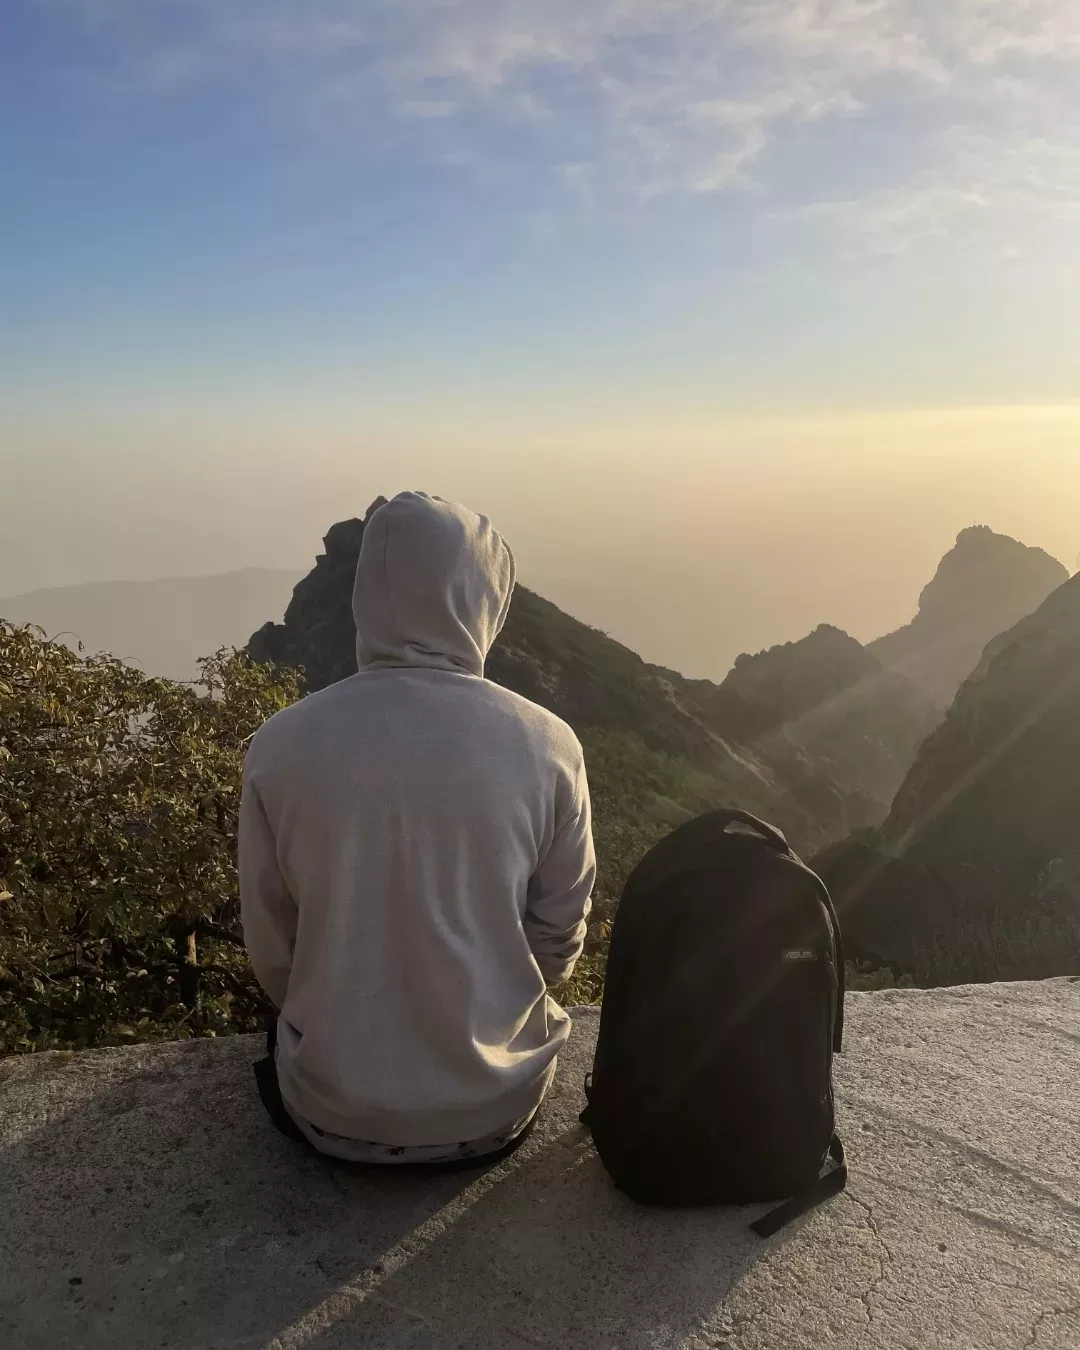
column 148, row 1203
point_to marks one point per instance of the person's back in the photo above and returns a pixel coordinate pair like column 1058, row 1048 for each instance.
column 416, row 859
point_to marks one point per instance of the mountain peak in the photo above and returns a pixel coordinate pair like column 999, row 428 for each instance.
column 987, row 569
column 984, row 585
column 342, row 540
column 775, row 686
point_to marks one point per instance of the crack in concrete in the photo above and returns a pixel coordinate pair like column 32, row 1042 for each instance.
column 884, row 1257
column 1045, row 1315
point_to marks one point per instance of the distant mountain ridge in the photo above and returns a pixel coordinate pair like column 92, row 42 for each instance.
column 827, row 701
column 984, row 585
column 165, row 625
column 779, row 684
column 814, row 734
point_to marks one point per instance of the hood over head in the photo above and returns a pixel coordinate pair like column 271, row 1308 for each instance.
column 433, row 586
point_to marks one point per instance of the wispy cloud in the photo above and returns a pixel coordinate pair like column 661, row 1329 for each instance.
column 964, row 107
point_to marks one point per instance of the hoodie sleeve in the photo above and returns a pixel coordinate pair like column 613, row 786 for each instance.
column 560, row 889
column 267, row 910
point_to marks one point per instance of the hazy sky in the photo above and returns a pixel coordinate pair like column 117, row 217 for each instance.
column 732, row 313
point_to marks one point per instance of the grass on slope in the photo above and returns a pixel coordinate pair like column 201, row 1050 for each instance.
column 638, row 794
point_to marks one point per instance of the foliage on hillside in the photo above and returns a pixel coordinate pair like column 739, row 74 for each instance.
column 638, row 794
column 119, row 916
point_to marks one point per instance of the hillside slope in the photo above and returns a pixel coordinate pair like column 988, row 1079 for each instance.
column 980, row 854
column 983, row 585
column 999, row 781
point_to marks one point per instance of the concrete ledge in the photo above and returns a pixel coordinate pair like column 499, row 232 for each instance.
column 148, row 1203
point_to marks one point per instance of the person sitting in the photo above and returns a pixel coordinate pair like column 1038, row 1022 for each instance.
column 416, row 863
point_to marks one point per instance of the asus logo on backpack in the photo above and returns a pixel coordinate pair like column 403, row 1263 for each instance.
column 712, row 1081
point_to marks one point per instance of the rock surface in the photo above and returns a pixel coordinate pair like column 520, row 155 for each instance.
column 983, row 586
column 149, row 1203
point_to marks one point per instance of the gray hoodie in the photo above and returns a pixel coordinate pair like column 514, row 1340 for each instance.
column 416, row 856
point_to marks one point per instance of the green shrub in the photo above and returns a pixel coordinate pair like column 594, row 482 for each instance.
column 638, row 795
column 118, row 806
column 864, row 975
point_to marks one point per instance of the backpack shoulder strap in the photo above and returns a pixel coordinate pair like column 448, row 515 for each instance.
column 841, row 964
column 830, row 1183
column 586, row 1115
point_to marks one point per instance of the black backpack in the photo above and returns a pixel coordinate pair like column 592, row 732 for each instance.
column 723, row 1007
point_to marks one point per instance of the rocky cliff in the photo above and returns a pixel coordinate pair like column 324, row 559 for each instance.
column 579, row 673
column 980, row 854
column 815, row 734
column 983, row 586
